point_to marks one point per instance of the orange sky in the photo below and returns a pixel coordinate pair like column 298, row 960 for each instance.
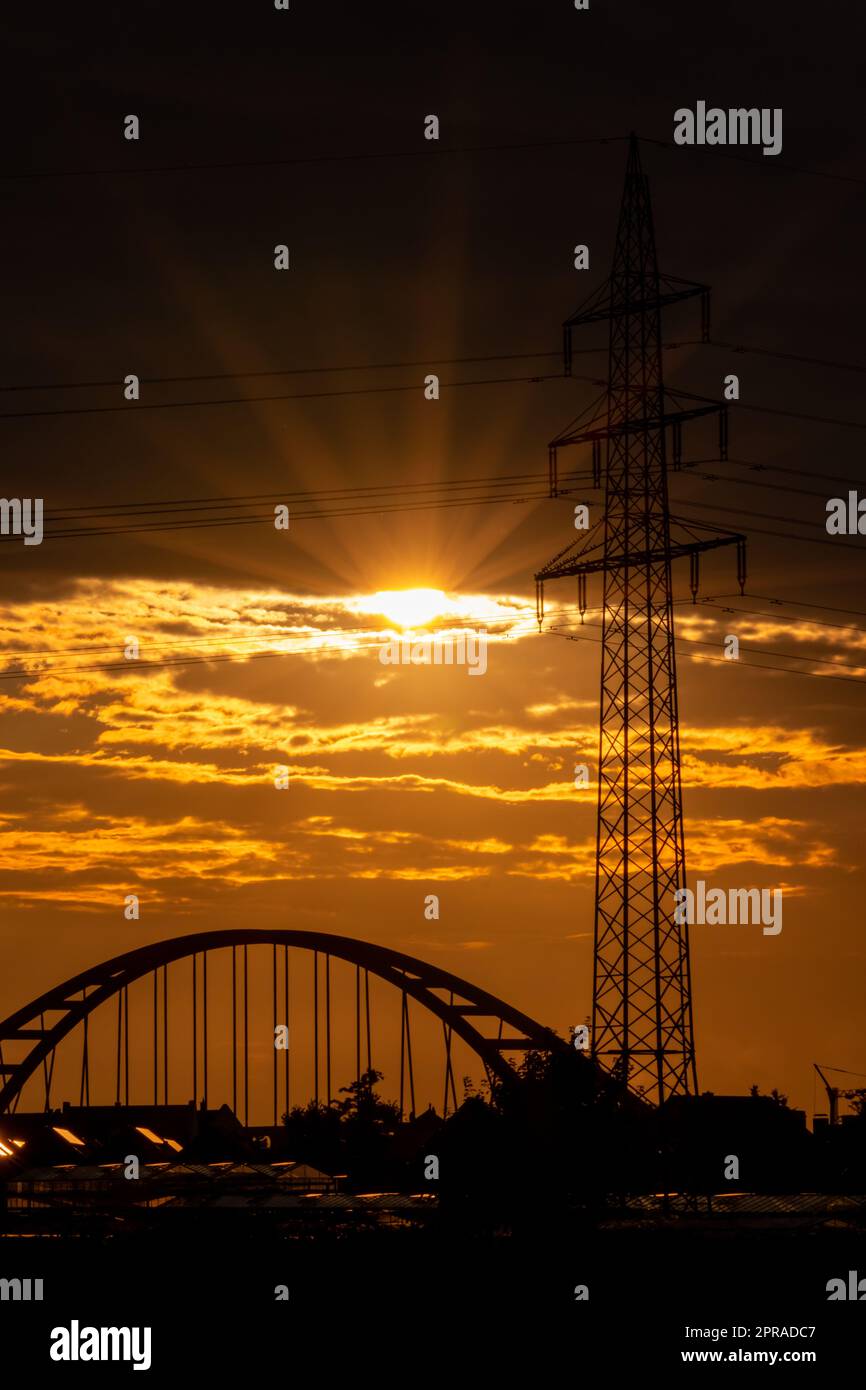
column 408, row 780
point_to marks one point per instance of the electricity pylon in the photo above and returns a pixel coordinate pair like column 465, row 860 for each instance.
column 642, row 1028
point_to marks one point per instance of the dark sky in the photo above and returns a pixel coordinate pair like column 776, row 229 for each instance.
column 417, row 255
column 396, row 259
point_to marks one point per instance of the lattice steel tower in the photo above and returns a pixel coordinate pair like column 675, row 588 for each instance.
column 642, row 1009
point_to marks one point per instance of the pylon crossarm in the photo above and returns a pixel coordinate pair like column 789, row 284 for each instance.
column 603, row 430
column 603, row 306
column 592, row 541
column 560, row 568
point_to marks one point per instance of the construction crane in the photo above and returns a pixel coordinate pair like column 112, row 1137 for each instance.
column 836, row 1093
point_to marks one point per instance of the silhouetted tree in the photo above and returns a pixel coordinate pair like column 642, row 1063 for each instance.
column 775, row 1096
column 350, row 1135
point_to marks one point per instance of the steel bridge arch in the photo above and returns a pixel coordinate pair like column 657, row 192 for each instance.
column 419, row 980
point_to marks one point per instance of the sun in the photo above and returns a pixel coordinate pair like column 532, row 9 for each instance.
column 410, row 608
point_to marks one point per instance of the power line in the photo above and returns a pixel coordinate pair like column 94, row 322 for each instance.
column 774, row 162
column 822, row 607
column 129, row 408
column 715, row 602
column 431, row 148
column 216, row 658
column 181, row 643
column 352, row 498
column 418, row 362
column 405, row 507
column 299, row 371
column 327, row 648
column 779, row 468
column 836, row 541
column 798, row 617
column 456, row 624
column 268, row 517
column 340, row 494
column 491, row 618
column 770, row 352
column 746, row 665
column 677, row 391
column 801, row 415
column 750, row 482
column 762, row 651
column 252, row 400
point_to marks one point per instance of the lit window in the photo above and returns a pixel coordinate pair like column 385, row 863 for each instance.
column 68, row 1135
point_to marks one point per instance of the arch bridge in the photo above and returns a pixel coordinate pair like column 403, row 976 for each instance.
column 496, row 1033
